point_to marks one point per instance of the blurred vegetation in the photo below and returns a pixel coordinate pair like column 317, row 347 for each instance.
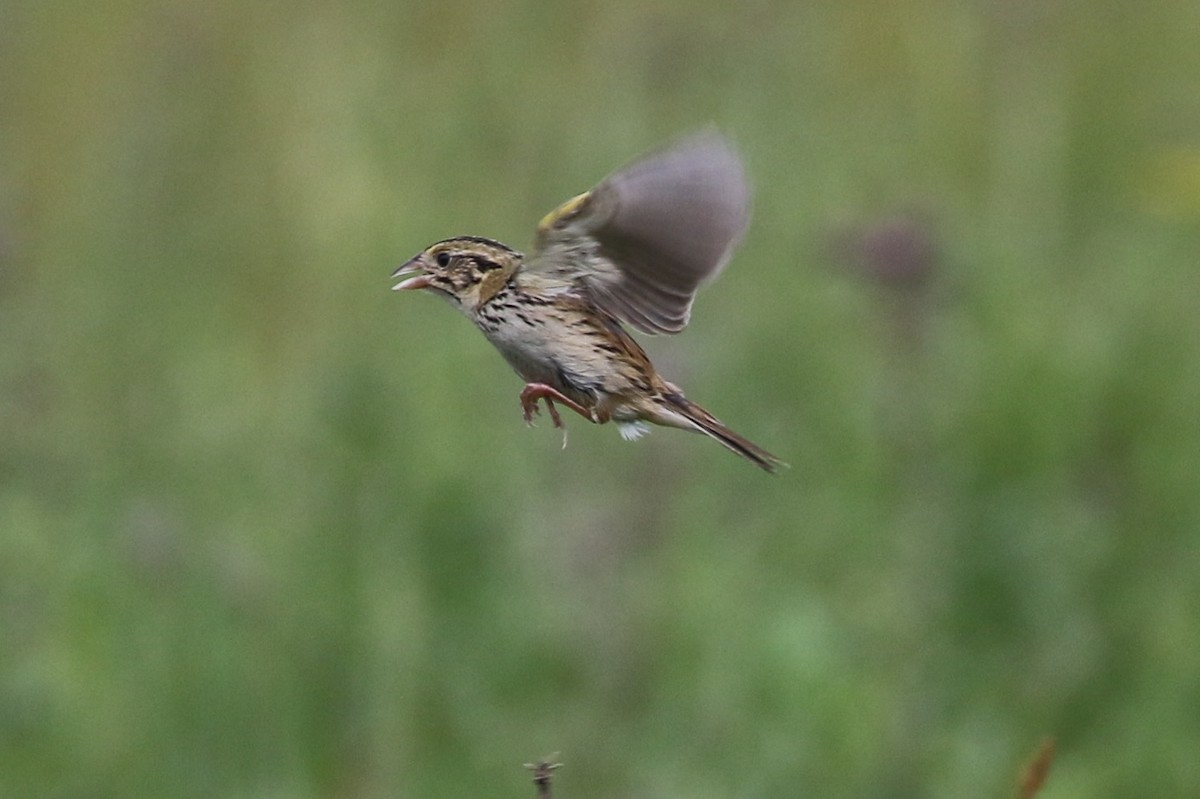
column 269, row 530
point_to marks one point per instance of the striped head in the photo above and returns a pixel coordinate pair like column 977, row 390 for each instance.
column 467, row 270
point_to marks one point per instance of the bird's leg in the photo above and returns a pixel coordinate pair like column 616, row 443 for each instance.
column 558, row 422
column 537, row 391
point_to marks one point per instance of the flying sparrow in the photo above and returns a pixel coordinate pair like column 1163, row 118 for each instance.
column 634, row 249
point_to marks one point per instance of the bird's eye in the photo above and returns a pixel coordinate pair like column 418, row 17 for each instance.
column 443, row 259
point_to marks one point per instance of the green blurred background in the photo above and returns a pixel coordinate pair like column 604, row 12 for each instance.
column 268, row 529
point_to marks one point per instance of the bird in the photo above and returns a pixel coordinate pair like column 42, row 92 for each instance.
column 633, row 251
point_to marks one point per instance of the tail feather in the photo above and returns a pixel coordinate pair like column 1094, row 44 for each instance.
column 702, row 421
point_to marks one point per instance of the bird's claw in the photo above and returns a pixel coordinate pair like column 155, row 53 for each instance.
column 539, row 391
column 529, row 405
column 529, row 410
column 554, row 417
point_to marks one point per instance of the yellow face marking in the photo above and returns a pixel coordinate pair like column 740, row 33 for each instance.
column 563, row 211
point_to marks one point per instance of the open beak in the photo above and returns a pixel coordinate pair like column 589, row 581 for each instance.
column 414, row 277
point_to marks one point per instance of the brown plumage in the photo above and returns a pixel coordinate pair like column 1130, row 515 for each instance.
column 634, row 248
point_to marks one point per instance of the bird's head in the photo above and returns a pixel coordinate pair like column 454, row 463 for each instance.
column 467, row 270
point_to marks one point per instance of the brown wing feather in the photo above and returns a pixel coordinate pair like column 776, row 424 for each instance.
column 648, row 236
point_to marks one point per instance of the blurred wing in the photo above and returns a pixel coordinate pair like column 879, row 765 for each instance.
column 642, row 242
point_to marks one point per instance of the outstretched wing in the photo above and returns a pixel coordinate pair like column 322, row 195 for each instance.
column 642, row 241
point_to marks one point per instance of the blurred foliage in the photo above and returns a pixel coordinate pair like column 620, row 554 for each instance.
column 269, row 530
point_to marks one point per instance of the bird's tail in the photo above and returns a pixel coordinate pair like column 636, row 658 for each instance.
column 696, row 418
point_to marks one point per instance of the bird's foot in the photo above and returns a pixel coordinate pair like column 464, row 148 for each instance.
column 539, row 391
